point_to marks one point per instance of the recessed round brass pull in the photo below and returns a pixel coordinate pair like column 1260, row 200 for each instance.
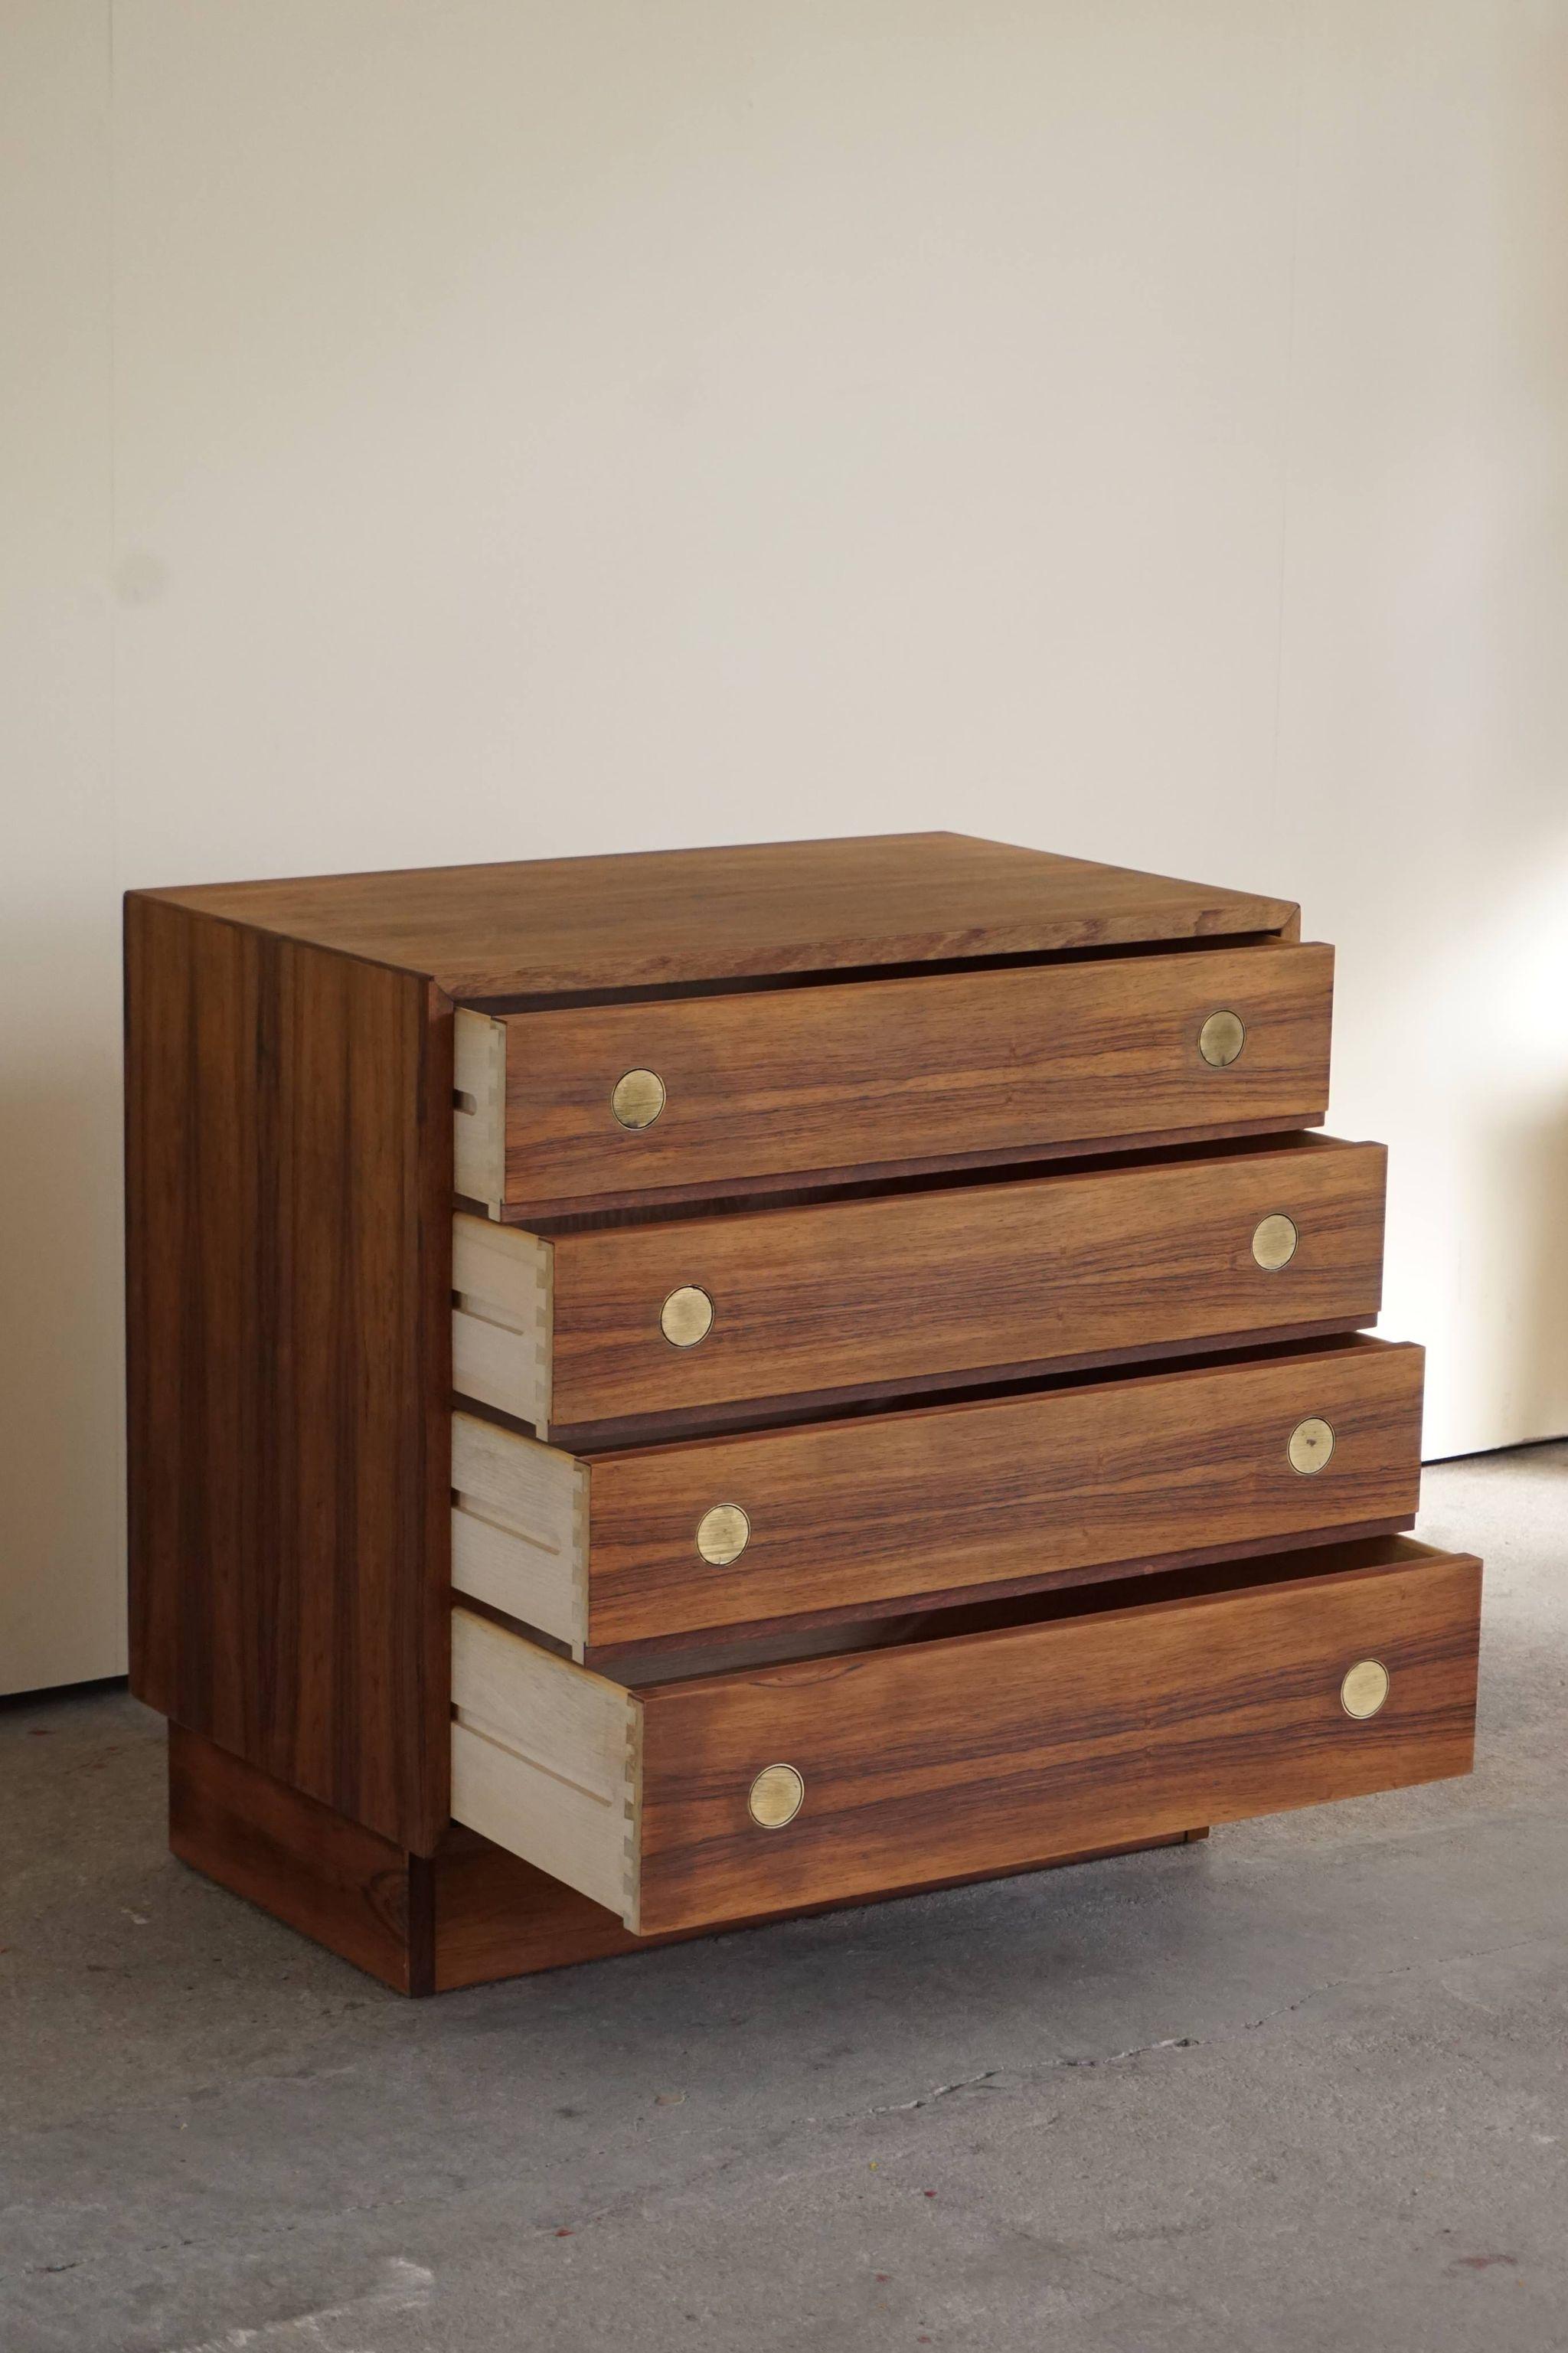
column 638, row 1098
column 722, row 1534
column 776, row 1797
column 1274, row 1243
column 1311, row 1443
column 1222, row 1038
column 687, row 1316
column 1364, row 1688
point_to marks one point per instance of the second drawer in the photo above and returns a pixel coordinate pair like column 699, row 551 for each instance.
column 870, row 1512
column 689, row 1319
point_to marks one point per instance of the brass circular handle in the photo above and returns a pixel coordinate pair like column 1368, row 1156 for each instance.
column 776, row 1797
column 1311, row 1443
column 723, row 1534
column 1364, row 1689
column 1274, row 1243
column 687, row 1316
column 1222, row 1038
column 638, row 1098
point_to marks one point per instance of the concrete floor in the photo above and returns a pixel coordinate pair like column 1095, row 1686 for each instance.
column 1303, row 2089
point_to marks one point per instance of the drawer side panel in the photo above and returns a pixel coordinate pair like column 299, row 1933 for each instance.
column 545, row 1760
column 520, row 1527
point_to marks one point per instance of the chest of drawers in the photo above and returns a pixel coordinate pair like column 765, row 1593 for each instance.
column 673, row 1389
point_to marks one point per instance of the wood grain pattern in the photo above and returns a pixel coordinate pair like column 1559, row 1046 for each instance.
column 816, row 1634
column 1039, row 1488
column 981, row 1751
column 673, row 918
column 467, row 1915
column 1080, row 1267
column 880, row 1073
column 762, row 1190
column 288, row 1177
column 361, row 1895
column 497, row 1916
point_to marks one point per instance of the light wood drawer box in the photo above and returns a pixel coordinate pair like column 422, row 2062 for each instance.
column 878, row 1075
column 1068, row 1728
column 872, row 1511
column 918, row 1288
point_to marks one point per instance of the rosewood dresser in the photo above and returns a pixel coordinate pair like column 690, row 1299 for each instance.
column 675, row 1389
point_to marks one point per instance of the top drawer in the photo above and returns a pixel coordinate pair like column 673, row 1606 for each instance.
column 607, row 1104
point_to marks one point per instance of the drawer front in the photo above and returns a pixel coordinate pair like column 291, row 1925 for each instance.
column 1023, row 1491
column 1079, row 1268
column 932, row 1505
column 610, row 1103
column 995, row 1750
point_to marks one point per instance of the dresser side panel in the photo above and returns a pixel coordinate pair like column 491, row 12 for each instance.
column 288, row 1174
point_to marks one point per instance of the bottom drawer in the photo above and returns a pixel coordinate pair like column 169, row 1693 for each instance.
column 985, row 1739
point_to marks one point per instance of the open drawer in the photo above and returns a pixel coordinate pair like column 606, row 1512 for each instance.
column 935, row 1503
column 981, row 1740
column 929, row 1286
column 558, row 1108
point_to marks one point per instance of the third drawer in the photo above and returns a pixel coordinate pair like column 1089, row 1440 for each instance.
column 870, row 1512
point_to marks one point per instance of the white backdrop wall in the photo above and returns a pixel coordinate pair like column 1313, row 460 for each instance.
column 445, row 430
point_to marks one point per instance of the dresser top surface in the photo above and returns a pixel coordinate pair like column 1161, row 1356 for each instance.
column 654, row 919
